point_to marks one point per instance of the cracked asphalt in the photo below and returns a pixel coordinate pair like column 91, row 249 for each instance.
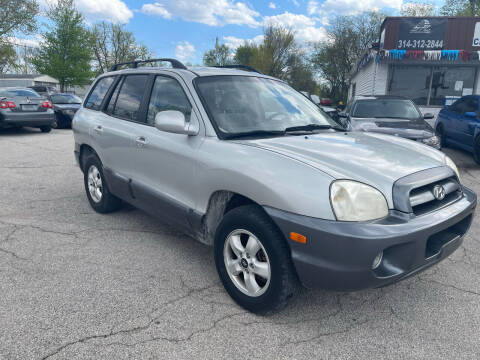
column 75, row 284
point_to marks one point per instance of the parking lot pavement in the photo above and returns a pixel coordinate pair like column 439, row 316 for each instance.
column 76, row 284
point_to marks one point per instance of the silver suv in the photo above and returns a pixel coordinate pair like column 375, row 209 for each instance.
column 243, row 162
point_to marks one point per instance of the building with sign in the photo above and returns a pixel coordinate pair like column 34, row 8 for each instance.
column 431, row 60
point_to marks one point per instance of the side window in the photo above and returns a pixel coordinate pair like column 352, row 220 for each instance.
column 458, row 106
column 99, row 91
column 113, row 98
column 472, row 105
column 167, row 94
column 127, row 104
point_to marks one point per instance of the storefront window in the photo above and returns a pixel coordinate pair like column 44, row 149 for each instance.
column 451, row 81
column 429, row 85
column 410, row 81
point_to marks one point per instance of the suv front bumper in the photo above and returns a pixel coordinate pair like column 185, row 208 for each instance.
column 339, row 255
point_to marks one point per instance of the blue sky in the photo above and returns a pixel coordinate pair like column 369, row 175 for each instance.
column 185, row 29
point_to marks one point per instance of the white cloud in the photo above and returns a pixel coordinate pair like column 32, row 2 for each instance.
column 233, row 42
column 184, row 51
column 209, row 12
column 350, row 7
column 29, row 42
column 115, row 11
column 304, row 27
column 272, row 5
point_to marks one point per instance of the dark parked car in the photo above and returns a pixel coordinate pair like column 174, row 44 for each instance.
column 459, row 125
column 65, row 107
column 392, row 115
column 43, row 90
column 24, row 107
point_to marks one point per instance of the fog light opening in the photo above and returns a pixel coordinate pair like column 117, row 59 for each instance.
column 377, row 261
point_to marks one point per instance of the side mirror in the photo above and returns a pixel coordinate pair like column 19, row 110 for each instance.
column 173, row 121
column 428, row 116
column 342, row 114
column 471, row 114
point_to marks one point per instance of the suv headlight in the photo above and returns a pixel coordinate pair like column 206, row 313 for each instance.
column 354, row 201
column 449, row 162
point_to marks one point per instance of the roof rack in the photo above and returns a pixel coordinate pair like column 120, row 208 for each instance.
column 134, row 64
column 241, row 67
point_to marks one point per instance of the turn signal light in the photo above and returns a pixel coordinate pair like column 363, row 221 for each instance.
column 7, row 105
column 47, row 105
column 302, row 239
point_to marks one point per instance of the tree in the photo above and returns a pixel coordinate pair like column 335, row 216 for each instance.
column 245, row 53
column 300, row 75
column 218, row 56
column 348, row 39
column 461, row 8
column 417, row 9
column 274, row 52
column 8, row 58
column 112, row 44
column 65, row 54
column 18, row 16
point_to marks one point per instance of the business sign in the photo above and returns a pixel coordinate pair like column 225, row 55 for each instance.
column 422, row 33
column 476, row 35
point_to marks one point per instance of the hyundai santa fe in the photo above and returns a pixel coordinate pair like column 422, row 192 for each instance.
column 243, row 162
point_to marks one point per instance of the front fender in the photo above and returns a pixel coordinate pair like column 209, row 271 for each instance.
column 268, row 178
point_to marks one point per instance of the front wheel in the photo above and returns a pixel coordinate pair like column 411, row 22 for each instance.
column 476, row 150
column 253, row 260
column 441, row 136
column 45, row 129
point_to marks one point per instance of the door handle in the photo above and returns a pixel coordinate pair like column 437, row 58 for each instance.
column 98, row 129
column 141, row 141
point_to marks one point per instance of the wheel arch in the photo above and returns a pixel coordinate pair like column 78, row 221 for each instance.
column 85, row 150
column 219, row 203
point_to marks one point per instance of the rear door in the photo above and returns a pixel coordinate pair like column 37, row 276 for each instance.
column 123, row 114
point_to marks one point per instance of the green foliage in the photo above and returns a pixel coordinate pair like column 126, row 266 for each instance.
column 18, row 16
column 112, row 44
column 245, row 53
column 218, row 56
column 348, row 38
column 8, row 58
column 66, row 52
column 461, row 8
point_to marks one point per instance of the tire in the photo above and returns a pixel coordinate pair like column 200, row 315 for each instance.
column 239, row 226
column 45, row 129
column 441, row 136
column 98, row 194
column 476, row 150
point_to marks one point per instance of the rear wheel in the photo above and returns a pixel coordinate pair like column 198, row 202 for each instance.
column 476, row 150
column 441, row 136
column 253, row 260
column 96, row 187
column 45, row 129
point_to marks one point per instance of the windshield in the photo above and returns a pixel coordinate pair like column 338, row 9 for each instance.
column 386, row 108
column 18, row 92
column 247, row 104
column 66, row 99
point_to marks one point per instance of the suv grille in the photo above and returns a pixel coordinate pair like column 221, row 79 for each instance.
column 422, row 199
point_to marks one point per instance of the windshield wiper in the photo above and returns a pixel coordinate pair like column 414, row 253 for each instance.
column 311, row 127
column 255, row 133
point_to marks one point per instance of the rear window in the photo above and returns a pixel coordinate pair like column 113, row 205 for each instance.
column 18, row 92
column 385, row 108
column 95, row 99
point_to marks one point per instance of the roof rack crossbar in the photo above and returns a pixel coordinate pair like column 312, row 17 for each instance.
column 134, row 64
column 241, row 67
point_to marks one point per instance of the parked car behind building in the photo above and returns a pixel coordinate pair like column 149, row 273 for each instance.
column 24, row 107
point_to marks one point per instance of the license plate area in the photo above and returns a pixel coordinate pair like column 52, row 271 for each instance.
column 29, row 107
